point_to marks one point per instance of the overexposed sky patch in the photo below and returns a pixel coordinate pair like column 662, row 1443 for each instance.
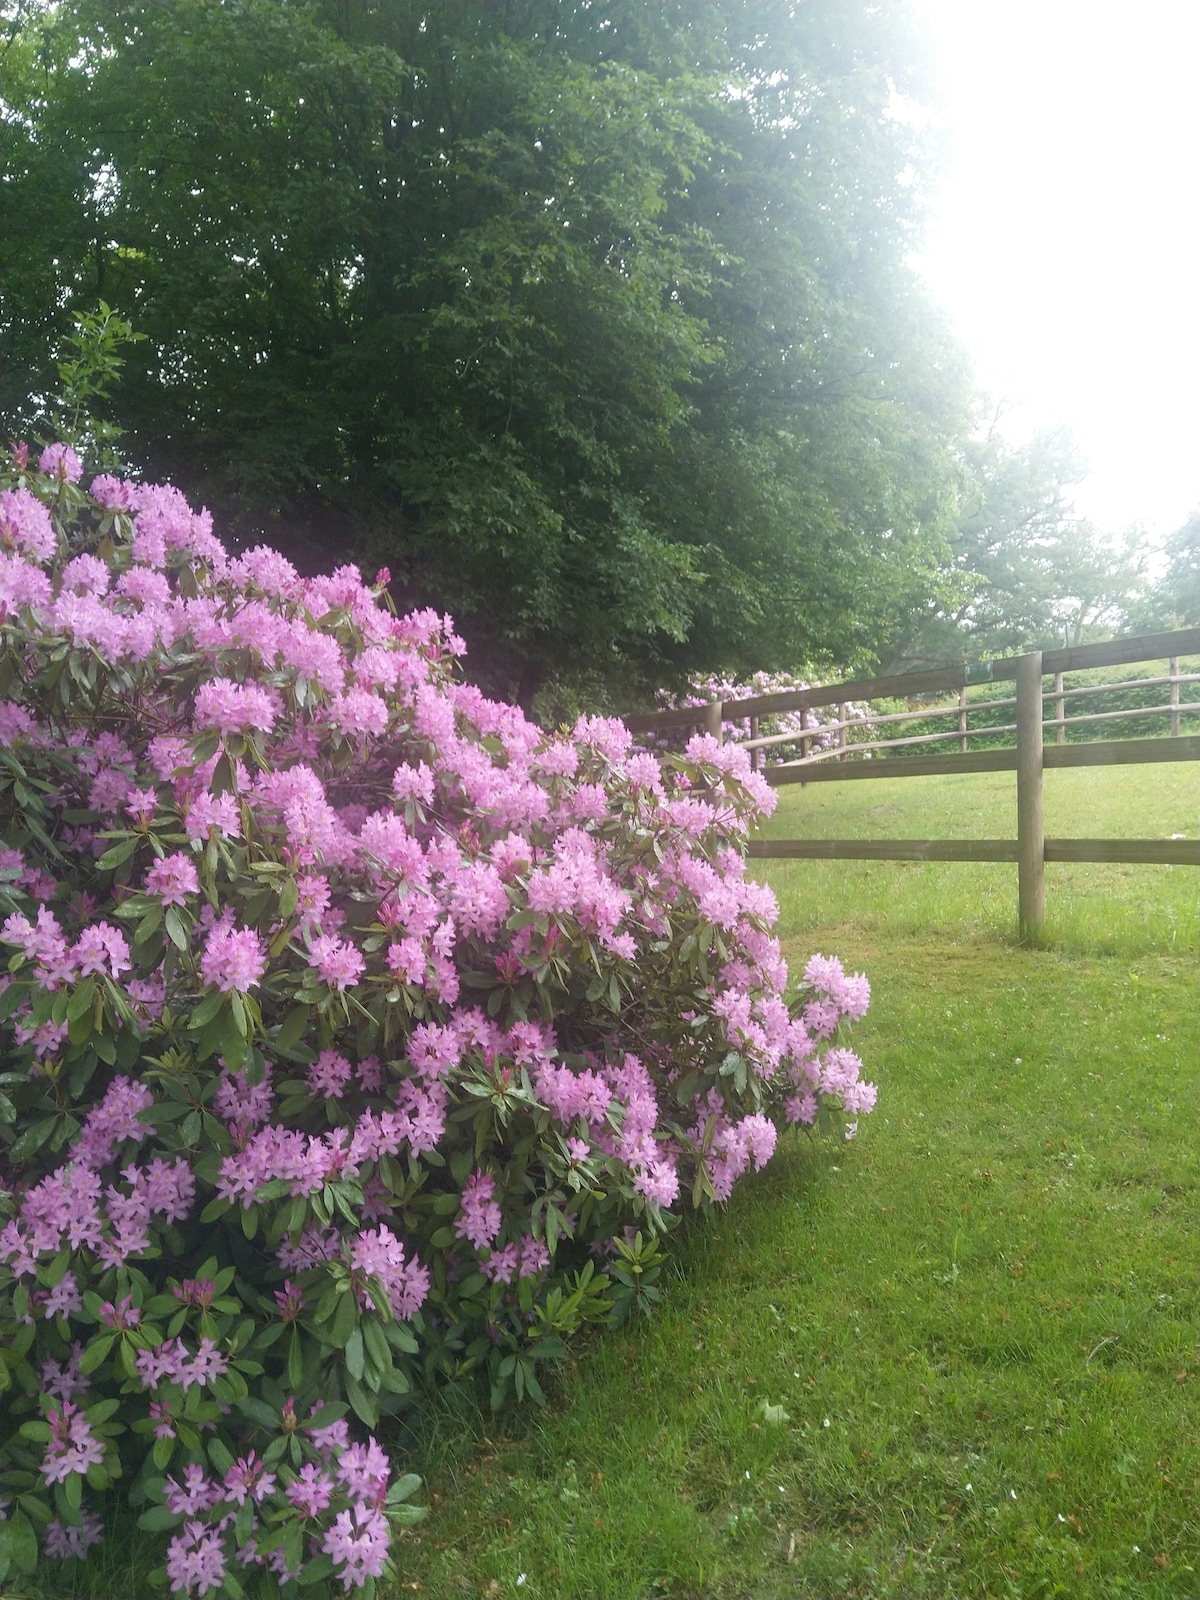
column 1065, row 236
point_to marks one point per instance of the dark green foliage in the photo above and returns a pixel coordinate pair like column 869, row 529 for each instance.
column 593, row 321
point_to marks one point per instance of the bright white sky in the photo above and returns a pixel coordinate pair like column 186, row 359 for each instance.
column 1065, row 242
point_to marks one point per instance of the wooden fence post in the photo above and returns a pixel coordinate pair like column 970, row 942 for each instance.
column 1174, row 670
column 1060, row 715
column 962, row 719
column 1031, row 836
column 713, row 719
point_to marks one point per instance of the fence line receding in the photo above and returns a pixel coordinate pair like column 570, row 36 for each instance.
column 846, row 755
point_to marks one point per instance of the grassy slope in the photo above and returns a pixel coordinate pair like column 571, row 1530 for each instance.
column 994, row 1286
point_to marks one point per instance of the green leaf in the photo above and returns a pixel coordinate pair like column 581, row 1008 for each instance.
column 403, row 1488
column 206, row 1010
column 295, row 1361
column 18, row 1544
column 82, row 999
column 258, row 1411
column 316, row 1571
column 364, row 1402
column 96, row 1352
column 116, row 855
column 345, row 1320
column 355, row 1355
column 376, row 1342
column 292, row 1028
column 159, row 1518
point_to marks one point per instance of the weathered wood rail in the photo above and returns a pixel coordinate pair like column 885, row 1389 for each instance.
column 1029, row 756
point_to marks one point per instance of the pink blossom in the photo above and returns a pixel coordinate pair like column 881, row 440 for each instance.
column 378, row 1253
column 359, row 711
column 235, row 707
column 103, row 949
column 479, row 1219
column 172, row 879
column 195, row 1560
column 198, row 1492
column 60, row 461
column 114, row 494
column 358, row 1542
column 328, row 1075
column 248, row 1479
column 234, row 960
column 72, row 1446
column 311, row 1491
column 72, row 1541
column 365, row 1469
column 337, row 962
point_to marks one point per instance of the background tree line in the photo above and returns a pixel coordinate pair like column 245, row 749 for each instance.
column 594, row 320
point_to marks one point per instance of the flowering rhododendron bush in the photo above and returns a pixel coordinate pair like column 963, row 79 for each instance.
column 357, row 1034
column 812, row 730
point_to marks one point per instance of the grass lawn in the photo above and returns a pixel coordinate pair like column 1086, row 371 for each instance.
column 955, row 1358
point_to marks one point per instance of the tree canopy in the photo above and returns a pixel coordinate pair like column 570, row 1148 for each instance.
column 593, row 321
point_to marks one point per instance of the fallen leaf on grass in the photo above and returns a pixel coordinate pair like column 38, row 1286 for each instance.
column 773, row 1415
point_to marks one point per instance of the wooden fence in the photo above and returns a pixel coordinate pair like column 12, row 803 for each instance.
column 854, row 757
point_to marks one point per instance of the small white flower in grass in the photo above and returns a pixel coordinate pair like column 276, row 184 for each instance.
column 1061, row 1518
column 1012, row 1494
column 825, row 1424
column 970, row 1488
column 522, row 1577
column 746, row 1475
column 1137, row 1549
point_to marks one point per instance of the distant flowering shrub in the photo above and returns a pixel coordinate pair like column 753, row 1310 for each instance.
column 817, row 726
column 357, row 1033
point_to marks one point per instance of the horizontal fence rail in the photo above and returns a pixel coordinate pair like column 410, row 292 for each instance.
column 1154, row 852
column 845, row 755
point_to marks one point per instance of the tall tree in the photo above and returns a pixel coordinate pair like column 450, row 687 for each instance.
column 593, row 320
column 1024, row 568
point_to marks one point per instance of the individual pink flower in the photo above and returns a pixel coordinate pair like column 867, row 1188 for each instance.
column 248, row 1479
column 114, row 494
column 172, row 879
column 25, row 525
column 329, row 1074
column 235, row 707
column 196, row 1560
column 337, row 962
column 234, row 960
column 72, row 1447
column 311, row 1490
column 208, row 812
column 60, row 461
column 480, row 1217
column 358, row 1542
column 72, row 1541
column 102, row 949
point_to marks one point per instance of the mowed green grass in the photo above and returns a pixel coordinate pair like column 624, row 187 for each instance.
column 954, row 1358
column 1090, row 908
